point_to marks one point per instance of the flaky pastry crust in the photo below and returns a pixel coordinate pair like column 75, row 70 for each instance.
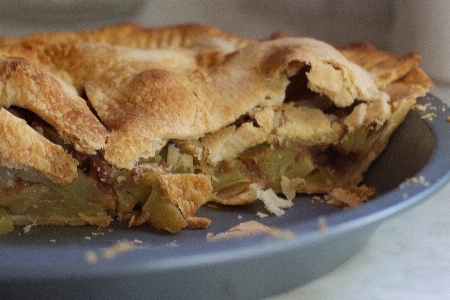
column 121, row 97
column 21, row 147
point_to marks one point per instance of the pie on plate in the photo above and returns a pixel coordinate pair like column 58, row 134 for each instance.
column 148, row 124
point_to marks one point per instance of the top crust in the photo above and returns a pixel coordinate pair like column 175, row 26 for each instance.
column 148, row 86
column 21, row 147
column 331, row 73
column 25, row 85
column 384, row 67
column 135, row 36
column 144, row 107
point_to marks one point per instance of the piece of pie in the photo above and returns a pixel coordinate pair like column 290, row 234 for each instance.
column 148, row 124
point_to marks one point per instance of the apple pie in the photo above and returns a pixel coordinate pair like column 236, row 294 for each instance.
column 146, row 125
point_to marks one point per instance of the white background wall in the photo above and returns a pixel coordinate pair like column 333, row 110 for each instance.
column 336, row 21
column 422, row 23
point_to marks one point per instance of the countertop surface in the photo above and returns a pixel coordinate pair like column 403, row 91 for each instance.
column 408, row 256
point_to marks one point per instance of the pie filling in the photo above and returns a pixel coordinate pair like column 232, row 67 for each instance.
column 101, row 192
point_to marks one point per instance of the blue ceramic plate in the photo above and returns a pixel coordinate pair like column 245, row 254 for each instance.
column 53, row 262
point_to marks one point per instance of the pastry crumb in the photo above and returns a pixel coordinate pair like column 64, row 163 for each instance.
column 117, row 248
column 421, row 107
column 261, row 215
column 322, row 224
column 315, row 199
column 350, row 197
column 27, row 228
column 428, row 116
column 172, row 244
column 420, row 180
column 131, row 221
column 249, row 228
column 90, row 257
column 272, row 202
column 97, row 233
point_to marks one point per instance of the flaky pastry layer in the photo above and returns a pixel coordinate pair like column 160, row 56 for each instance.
column 189, row 114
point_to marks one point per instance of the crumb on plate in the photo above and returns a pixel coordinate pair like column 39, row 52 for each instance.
column 249, row 228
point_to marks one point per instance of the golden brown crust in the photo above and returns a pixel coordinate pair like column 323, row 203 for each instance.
column 25, row 85
column 148, row 97
column 22, row 147
column 330, row 74
column 149, row 86
column 162, row 103
column 167, row 104
column 403, row 81
column 209, row 44
column 384, row 67
column 188, row 192
column 79, row 63
column 135, row 36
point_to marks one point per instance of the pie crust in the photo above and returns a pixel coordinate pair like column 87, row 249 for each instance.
column 159, row 121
